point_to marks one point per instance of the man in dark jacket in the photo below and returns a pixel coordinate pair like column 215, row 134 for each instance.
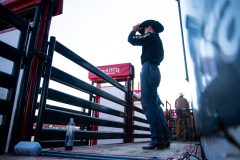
column 152, row 56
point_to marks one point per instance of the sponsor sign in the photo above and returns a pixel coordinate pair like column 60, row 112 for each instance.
column 116, row 71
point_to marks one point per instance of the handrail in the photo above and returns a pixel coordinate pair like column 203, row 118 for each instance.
column 60, row 48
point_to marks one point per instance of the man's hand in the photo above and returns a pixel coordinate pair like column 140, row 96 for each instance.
column 136, row 28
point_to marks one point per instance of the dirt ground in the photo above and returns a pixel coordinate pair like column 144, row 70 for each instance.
column 177, row 150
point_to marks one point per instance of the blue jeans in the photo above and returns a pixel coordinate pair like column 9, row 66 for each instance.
column 150, row 79
column 163, row 120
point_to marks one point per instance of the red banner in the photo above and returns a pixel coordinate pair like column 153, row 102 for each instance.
column 116, row 71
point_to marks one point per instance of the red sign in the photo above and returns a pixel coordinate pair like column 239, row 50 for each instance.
column 116, row 71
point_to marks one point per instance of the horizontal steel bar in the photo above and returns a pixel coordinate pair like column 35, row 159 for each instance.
column 10, row 52
column 136, row 127
column 141, row 135
column 71, row 81
column 5, row 107
column 60, row 134
column 7, row 81
column 139, row 119
column 137, row 109
column 76, row 101
column 60, row 48
column 52, row 116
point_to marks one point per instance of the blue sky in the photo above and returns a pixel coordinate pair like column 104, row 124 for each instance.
column 97, row 30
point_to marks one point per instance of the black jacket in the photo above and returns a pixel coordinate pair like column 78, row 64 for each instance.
column 152, row 48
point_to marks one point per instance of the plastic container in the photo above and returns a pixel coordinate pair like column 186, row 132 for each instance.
column 28, row 148
column 70, row 135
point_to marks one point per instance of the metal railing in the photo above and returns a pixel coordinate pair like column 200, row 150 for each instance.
column 9, row 81
column 56, row 115
column 49, row 114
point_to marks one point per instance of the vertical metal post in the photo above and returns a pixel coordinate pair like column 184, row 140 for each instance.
column 22, row 45
column 46, row 25
column 24, row 100
column 41, row 28
column 43, row 99
column 128, row 110
column 7, row 129
column 183, row 43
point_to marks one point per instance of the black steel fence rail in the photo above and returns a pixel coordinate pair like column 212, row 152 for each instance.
column 6, row 109
column 6, row 80
column 67, row 79
column 50, row 134
column 61, row 49
column 54, row 107
column 136, row 97
column 10, row 52
column 13, row 19
column 49, row 138
column 139, row 119
column 52, row 115
column 137, row 109
column 137, row 135
column 72, row 100
column 136, row 127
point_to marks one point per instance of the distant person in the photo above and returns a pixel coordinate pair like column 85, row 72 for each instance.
column 182, row 111
column 151, row 57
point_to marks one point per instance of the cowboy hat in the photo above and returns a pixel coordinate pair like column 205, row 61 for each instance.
column 180, row 94
column 157, row 26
